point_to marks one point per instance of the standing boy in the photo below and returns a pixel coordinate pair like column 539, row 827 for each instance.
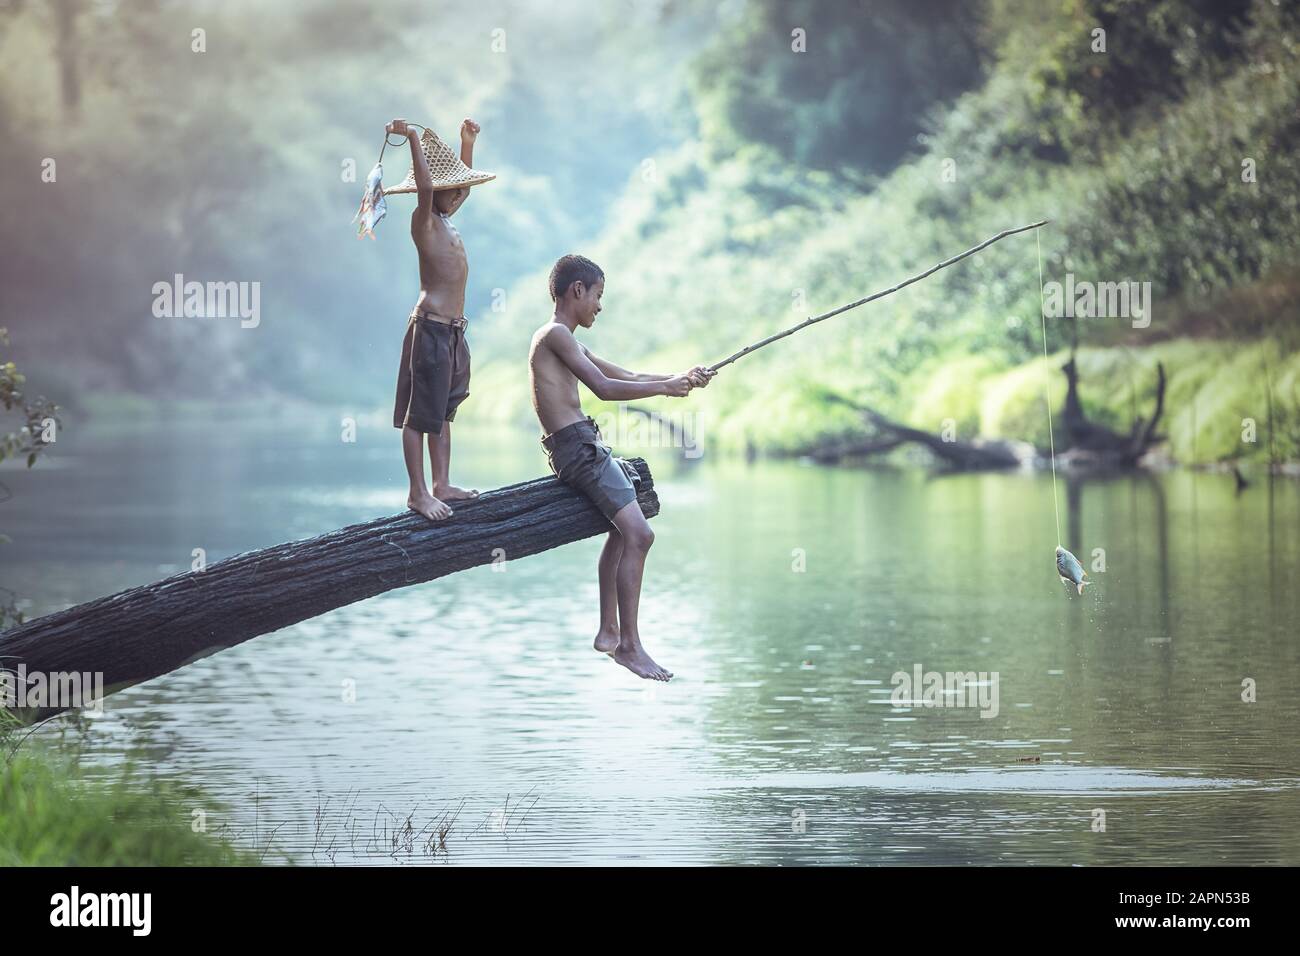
column 556, row 363
column 433, row 378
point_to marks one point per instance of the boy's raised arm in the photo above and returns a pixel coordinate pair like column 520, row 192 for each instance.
column 605, row 387
column 423, row 181
column 469, row 131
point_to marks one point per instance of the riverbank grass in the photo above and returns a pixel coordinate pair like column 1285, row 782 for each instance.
column 54, row 816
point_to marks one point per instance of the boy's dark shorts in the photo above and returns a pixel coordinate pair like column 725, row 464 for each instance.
column 433, row 378
column 581, row 460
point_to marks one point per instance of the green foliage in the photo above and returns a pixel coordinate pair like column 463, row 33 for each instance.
column 1014, row 403
column 40, row 426
column 40, row 416
column 855, row 97
column 50, row 818
column 1212, row 390
column 950, row 390
column 1154, row 51
column 729, row 254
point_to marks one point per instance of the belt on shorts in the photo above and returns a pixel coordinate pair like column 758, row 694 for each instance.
column 426, row 316
column 548, row 440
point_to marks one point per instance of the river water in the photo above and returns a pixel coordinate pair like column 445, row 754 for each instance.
column 1104, row 729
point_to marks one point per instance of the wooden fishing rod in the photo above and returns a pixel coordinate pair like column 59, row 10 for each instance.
column 875, row 295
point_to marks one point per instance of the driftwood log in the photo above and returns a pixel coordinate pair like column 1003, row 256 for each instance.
column 1089, row 444
column 977, row 455
column 151, row 630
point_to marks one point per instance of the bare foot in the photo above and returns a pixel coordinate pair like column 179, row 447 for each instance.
column 635, row 659
column 606, row 640
column 452, row 493
column 429, row 506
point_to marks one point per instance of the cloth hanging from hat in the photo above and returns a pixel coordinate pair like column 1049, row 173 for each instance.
column 373, row 207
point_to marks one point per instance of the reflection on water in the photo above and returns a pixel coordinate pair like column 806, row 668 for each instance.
column 481, row 710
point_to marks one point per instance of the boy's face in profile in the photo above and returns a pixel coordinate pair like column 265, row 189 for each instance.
column 587, row 302
column 447, row 201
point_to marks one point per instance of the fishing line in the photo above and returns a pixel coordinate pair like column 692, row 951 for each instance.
column 1051, row 438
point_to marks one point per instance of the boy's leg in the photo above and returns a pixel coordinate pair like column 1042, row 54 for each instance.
column 607, row 636
column 413, row 406
column 440, row 460
column 637, row 538
column 419, row 500
column 455, row 362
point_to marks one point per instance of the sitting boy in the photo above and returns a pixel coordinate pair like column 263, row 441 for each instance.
column 556, row 363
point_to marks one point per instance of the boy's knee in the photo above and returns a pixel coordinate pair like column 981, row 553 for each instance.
column 641, row 538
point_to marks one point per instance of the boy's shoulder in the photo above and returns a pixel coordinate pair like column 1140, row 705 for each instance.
column 550, row 332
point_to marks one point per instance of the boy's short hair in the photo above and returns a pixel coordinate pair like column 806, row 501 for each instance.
column 570, row 269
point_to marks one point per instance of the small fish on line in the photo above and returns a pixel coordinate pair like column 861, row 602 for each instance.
column 373, row 207
column 1069, row 568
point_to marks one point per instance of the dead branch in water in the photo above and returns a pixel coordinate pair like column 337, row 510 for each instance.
column 1092, row 444
column 977, row 455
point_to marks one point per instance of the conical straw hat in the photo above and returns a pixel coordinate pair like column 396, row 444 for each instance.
column 445, row 168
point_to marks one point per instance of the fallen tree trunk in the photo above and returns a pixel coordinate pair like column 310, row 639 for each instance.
column 151, row 630
column 833, row 451
column 1094, row 445
column 977, row 455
